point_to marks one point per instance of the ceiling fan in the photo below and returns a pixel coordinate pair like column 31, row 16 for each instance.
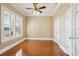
column 36, row 8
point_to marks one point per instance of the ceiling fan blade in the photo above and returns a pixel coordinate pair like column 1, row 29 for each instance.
column 43, row 7
column 40, row 11
column 29, row 8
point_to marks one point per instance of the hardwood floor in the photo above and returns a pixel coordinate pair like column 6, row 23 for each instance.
column 36, row 48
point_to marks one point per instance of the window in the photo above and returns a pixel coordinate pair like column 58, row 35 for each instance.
column 18, row 26
column 6, row 24
column 11, row 25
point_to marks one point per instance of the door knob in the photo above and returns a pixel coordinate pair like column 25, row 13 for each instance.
column 70, row 37
column 73, row 38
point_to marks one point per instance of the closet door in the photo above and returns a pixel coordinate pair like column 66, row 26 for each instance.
column 69, row 41
column 75, row 28
column 77, row 31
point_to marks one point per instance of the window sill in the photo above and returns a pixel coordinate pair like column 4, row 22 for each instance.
column 3, row 40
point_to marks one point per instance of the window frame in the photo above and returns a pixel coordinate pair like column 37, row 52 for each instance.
column 3, row 39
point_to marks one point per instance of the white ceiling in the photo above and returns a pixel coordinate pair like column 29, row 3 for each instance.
column 49, row 11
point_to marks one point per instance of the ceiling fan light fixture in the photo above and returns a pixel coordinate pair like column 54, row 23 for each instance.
column 35, row 12
column 36, row 9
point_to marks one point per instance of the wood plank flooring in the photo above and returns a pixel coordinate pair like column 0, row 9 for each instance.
column 36, row 48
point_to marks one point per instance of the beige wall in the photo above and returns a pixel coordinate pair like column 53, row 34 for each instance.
column 39, row 27
column 9, row 6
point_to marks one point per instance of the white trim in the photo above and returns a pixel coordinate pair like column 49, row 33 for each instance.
column 56, row 9
column 10, row 46
column 39, row 38
column 61, row 46
column 19, row 9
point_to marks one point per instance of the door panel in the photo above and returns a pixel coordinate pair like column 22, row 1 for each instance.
column 69, row 31
column 77, row 31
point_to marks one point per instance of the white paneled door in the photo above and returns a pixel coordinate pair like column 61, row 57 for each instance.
column 77, row 30
column 68, row 33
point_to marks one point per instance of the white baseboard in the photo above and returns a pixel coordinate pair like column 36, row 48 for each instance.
column 61, row 46
column 10, row 46
column 39, row 38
